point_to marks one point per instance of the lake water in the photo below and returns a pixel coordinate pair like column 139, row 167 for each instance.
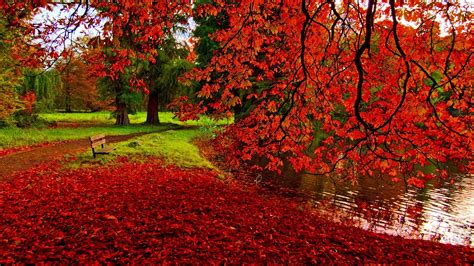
column 442, row 211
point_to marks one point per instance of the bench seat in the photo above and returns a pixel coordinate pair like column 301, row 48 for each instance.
column 97, row 145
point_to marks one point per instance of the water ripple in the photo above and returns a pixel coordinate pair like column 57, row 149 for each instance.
column 443, row 213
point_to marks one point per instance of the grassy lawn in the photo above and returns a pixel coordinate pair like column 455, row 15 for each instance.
column 138, row 118
column 174, row 146
column 16, row 137
column 95, row 118
column 103, row 124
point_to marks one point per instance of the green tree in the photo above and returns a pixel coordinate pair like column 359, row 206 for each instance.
column 116, row 88
column 162, row 78
column 9, row 78
column 45, row 85
column 125, row 99
column 206, row 26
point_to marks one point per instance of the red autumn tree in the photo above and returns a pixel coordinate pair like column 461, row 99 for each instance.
column 352, row 87
column 79, row 89
column 131, row 31
column 347, row 87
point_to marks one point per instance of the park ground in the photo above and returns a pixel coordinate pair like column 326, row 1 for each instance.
column 163, row 196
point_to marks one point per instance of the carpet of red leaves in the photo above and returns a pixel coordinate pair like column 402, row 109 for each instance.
column 145, row 213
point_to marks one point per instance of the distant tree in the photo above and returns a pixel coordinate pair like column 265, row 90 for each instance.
column 133, row 33
column 78, row 90
column 9, row 100
column 9, row 78
column 125, row 97
column 44, row 83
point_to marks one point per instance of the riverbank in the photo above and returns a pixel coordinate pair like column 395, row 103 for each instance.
column 158, row 200
column 143, row 212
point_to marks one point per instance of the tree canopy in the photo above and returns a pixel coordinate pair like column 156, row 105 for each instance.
column 348, row 87
column 356, row 88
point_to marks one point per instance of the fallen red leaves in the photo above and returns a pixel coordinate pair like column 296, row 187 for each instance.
column 141, row 212
column 18, row 149
column 9, row 151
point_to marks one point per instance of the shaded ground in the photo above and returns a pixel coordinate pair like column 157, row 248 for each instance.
column 25, row 160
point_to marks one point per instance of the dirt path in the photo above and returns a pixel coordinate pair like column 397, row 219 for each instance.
column 25, row 160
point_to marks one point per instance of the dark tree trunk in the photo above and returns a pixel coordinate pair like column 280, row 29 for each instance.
column 121, row 113
column 152, row 116
column 67, row 94
column 68, row 102
column 68, row 109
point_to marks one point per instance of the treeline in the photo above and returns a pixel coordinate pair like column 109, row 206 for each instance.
column 121, row 70
column 73, row 85
column 68, row 89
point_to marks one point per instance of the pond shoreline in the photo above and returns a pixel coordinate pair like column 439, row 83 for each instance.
column 397, row 213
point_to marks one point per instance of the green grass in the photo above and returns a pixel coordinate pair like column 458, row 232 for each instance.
column 138, row 118
column 94, row 118
column 16, row 137
column 102, row 123
column 174, row 146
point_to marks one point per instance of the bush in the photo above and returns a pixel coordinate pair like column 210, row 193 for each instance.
column 23, row 119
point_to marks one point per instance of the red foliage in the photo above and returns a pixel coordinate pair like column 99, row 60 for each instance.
column 79, row 90
column 8, row 151
column 130, row 31
column 29, row 100
column 144, row 213
column 349, row 88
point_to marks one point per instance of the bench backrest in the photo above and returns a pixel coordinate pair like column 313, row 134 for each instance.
column 97, row 140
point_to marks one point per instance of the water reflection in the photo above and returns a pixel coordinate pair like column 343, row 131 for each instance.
column 440, row 212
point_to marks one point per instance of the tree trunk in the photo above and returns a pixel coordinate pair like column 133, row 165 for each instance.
column 121, row 113
column 67, row 93
column 68, row 102
column 152, row 116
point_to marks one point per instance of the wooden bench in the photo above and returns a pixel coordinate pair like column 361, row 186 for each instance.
column 99, row 140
